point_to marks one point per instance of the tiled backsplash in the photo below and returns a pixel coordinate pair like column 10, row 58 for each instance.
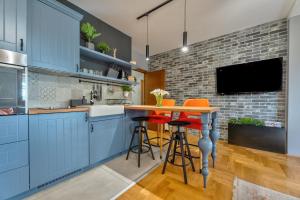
column 56, row 91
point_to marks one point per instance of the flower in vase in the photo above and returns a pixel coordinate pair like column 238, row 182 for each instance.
column 159, row 94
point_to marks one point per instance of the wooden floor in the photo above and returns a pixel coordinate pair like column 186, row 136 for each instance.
column 275, row 171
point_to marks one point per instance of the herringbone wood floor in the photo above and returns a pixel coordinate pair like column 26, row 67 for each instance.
column 275, row 171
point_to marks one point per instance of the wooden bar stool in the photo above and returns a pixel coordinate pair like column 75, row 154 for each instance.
column 179, row 137
column 140, row 130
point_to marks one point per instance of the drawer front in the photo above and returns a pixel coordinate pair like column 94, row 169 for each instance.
column 13, row 128
column 13, row 155
column 14, row 182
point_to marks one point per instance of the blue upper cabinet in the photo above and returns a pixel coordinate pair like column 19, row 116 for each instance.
column 13, row 22
column 54, row 31
column 59, row 144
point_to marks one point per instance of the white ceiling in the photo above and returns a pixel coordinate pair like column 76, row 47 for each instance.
column 205, row 18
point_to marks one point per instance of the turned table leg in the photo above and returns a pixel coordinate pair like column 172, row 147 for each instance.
column 205, row 145
column 214, row 136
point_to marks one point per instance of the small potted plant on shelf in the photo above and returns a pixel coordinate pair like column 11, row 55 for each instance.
column 89, row 33
column 126, row 90
column 103, row 47
column 159, row 95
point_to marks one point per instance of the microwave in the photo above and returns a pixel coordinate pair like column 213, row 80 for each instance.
column 13, row 83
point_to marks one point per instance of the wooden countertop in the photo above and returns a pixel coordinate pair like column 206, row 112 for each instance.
column 36, row 111
column 173, row 108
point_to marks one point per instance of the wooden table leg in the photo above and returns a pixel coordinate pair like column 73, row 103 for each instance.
column 160, row 140
column 205, row 145
column 214, row 136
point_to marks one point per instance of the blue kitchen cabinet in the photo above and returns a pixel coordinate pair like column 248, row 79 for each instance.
column 14, row 182
column 129, row 126
column 13, row 24
column 13, row 128
column 54, row 36
column 14, row 172
column 59, row 144
column 106, row 137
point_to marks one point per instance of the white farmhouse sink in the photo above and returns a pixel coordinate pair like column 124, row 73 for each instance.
column 104, row 110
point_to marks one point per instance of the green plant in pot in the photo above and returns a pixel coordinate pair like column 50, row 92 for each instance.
column 90, row 33
column 103, row 47
column 126, row 90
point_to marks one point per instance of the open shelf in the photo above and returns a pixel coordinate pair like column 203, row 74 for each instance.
column 103, row 78
column 104, row 58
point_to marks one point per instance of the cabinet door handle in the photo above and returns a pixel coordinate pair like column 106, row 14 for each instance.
column 86, row 117
column 92, row 128
column 77, row 67
column 21, row 44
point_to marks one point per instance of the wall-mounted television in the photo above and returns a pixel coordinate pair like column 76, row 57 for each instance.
column 253, row 77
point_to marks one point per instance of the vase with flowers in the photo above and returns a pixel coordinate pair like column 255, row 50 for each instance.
column 159, row 96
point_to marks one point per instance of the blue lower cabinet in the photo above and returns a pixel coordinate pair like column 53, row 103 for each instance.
column 106, row 137
column 59, row 144
column 13, row 128
column 13, row 155
column 129, row 126
column 14, row 182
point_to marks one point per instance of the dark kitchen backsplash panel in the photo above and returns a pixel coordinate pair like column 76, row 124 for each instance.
column 193, row 75
column 109, row 34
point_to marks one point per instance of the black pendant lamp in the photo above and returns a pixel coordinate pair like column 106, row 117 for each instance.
column 184, row 35
column 147, row 45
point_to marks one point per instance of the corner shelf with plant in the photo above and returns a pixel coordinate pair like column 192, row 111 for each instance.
column 100, row 58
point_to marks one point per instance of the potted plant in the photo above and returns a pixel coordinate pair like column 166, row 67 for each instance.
column 89, row 33
column 103, row 47
column 126, row 90
column 159, row 95
column 253, row 133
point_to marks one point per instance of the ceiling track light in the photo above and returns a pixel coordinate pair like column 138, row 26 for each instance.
column 184, row 35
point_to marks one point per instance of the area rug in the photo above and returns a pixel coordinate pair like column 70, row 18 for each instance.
column 104, row 182
column 129, row 168
column 244, row 190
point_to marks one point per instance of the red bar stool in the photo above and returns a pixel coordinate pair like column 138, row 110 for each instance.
column 161, row 118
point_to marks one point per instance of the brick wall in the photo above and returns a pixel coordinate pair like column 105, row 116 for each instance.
column 193, row 75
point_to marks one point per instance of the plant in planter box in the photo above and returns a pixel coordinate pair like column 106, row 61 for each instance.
column 103, row 47
column 253, row 133
column 246, row 121
column 126, row 90
column 89, row 33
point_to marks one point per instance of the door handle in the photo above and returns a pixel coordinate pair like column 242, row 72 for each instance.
column 92, row 128
column 86, row 117
column 21, row 44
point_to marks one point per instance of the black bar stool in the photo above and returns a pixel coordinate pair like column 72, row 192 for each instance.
column 179, row 137
column 140, row 130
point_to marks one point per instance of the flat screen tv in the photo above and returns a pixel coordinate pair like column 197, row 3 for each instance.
column 253, row 77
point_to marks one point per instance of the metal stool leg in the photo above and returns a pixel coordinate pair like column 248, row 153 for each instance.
column 140, row 147
column 147, row 138
column 182, row 157
column 174, row 150
column 131, row 141
column 189, row 152
column 168, row 153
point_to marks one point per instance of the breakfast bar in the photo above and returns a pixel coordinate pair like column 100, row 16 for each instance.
column 209, row 118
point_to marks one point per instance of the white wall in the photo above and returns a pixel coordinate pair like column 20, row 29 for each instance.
column 137, row 90
column 294, row 87
column 295, row 10
column 140, row 58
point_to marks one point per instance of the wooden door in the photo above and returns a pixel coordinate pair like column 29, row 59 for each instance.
column 153, row 80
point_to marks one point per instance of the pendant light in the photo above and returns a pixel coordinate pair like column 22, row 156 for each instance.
column 147, row 45
column 184, row 35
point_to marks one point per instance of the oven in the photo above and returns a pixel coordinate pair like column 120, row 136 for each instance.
column 13, row 83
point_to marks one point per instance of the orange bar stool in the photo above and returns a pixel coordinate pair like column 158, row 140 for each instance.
column 161, row 118
column 194, row 119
